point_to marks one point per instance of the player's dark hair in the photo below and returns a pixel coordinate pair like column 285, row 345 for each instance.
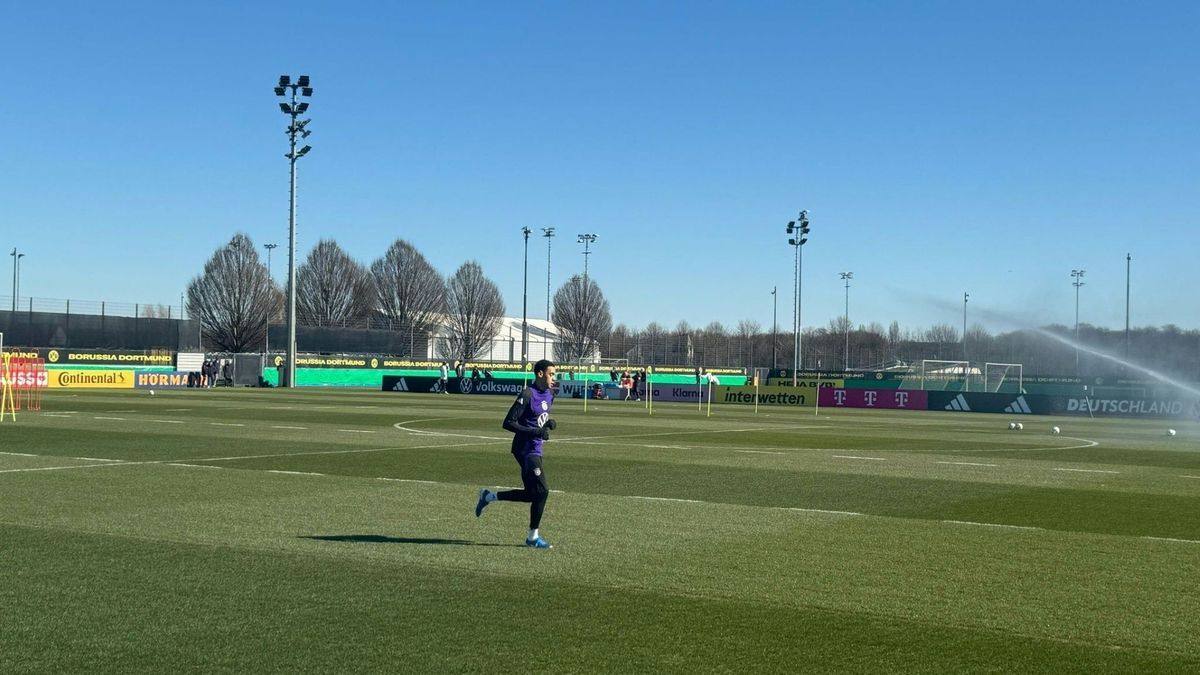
column 541, row 366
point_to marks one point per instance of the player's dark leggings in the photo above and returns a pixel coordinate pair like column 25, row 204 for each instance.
column 535, row 491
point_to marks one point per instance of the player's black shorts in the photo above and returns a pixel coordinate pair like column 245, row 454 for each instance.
column 533, row 478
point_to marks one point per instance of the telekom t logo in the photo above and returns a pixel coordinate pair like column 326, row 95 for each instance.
column 869, row 397
column 839, row 397
column 901, row 399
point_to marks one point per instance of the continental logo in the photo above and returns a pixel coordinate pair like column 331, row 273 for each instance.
column 92, row 379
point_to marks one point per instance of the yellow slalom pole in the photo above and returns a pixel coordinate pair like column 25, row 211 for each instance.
column 6, row 395
column 817, row 409
column 755, row 376
column 649, row 392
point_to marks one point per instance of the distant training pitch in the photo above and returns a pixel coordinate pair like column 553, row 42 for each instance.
column 276, row 530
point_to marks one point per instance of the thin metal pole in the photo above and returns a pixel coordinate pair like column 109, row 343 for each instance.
column 1128, row 259
column 291, row 319
column 525, row 302
column 774, row 326
column 14, row 298
column 796, row 315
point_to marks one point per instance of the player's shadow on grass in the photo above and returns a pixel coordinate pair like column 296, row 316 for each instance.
column 383, row 539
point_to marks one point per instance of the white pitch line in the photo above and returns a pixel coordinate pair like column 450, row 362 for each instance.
column 752, row 452
column 838, row 513
column 1189, row 476
column 178, row 410
column 668, row 499
column 410, row 480
column 967, row 463
column 227, row 424
column 194, row 466
column 668, row 447
column 57, row 414
column 356, row 431
column 282, row 427
column 97, row 459
column 1182, row 541
column 168, row 421
column 1058, row 468
column 295, row 473
column 1011, row 527
column 26, row 454
column 121, row 419
column 873, row 459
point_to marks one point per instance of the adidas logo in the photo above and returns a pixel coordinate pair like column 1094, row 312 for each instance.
column 1019, row 406
column 959, row 404
column 401, row 385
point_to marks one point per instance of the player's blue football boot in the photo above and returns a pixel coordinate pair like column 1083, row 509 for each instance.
column 537, row 543
column 483, row 493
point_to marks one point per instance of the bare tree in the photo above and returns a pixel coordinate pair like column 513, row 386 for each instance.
column 233, row 297
column 583, row 318
column 475, row 312
column 411, row 293
column 747, row 333
column 332, row 288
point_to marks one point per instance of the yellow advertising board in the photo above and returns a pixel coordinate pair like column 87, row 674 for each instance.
column 91, row 379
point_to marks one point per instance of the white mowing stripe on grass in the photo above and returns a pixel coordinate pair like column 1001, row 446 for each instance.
column 754, row 452
column 967, row 463
column 297, row 428
column 356, row 431
column 1011, row 527
column 120, row 419
column 227, row 424
column 873, row 459
column 1059, row 468
column 1181, row 541
column 295, row 473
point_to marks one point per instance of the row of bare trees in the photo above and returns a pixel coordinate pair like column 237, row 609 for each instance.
column 234, row 299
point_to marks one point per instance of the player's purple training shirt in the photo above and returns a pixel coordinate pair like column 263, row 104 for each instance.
column 534, row 414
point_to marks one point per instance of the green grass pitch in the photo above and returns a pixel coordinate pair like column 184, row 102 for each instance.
column 320, row 530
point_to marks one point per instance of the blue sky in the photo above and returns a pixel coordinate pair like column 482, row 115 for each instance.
column 940, row 147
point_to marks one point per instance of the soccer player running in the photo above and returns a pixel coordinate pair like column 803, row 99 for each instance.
column 529, row 421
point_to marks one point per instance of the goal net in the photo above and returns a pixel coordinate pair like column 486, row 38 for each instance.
column 1007, row 378
column 942, row 376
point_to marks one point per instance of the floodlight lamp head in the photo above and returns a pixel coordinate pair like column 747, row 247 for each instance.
column 547, row 231
column 791, row 242
column 306, row 91
column 301, row 108
column 802, row 241
column 279, row 91
column 303, row 81
column 791, row 226
column 285, row 80
column 303, row 151
column 286, row 108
